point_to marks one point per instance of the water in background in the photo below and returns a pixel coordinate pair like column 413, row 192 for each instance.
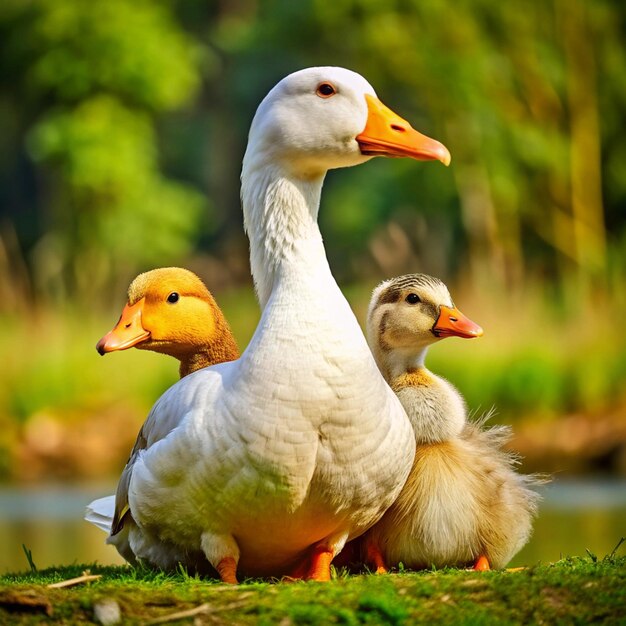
column 575, row 516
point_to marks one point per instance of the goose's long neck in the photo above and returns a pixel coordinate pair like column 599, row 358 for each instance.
column 280, row 217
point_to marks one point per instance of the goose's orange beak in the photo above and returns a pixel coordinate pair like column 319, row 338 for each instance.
column 452, row 323
column 128, row 332
column 387, row 134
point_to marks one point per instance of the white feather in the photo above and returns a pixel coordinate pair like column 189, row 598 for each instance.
column 100, row 512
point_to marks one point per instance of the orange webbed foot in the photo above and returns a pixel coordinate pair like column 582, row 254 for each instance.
column 481, row 564
column 320, row 564
column 227, row 569
column 375, row 558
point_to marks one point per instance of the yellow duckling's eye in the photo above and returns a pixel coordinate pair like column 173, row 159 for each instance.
column 173, row 297
column 413, row 298
column 325, row 90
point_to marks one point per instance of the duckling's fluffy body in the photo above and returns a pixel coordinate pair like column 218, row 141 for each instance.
column 463, row 498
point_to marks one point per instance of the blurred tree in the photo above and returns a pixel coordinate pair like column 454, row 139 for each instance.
column 517, row 93
column 104, row 105
column 87, row 82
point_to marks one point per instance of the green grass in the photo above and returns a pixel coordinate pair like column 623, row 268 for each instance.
column 572, row 591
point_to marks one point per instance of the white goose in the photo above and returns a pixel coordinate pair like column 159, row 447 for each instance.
column 300, row 445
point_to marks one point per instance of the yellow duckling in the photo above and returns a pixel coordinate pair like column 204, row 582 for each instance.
column 463, row 503
column 170, row 310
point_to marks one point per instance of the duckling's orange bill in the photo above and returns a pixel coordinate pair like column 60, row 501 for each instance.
column 127, row 333
column 452, row 323
column 387, row 134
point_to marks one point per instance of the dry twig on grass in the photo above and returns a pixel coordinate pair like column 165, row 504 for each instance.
column 71, row 582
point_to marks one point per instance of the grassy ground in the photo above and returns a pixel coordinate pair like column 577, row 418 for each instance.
column 572, row 591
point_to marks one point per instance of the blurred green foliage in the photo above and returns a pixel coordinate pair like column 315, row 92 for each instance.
column 122, row 128
column 87, row 83
column 135, row 50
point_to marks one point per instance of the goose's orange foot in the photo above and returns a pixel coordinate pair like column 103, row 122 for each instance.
column 482, row 564
column 320, row 564
column 374, row 557
column 227, row 569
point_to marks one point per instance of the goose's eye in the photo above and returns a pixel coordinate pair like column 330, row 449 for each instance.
column 413, row 298
column 325, row 90
column 173, row 297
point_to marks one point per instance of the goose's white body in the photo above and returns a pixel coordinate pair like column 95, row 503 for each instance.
column 300, row 442
column 275, row 451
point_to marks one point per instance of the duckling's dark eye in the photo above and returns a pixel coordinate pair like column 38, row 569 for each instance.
column 413, row 298
column 325, row 90
column 173, row 297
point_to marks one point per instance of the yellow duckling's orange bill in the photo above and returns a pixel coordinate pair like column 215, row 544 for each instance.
column 387, row 134
column 128, row 332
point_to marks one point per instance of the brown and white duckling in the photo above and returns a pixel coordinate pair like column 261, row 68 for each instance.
column 463, row 503
column 170, row 310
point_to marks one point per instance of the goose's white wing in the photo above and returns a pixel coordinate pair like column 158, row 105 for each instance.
column 109, row 513
column 100, row 513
